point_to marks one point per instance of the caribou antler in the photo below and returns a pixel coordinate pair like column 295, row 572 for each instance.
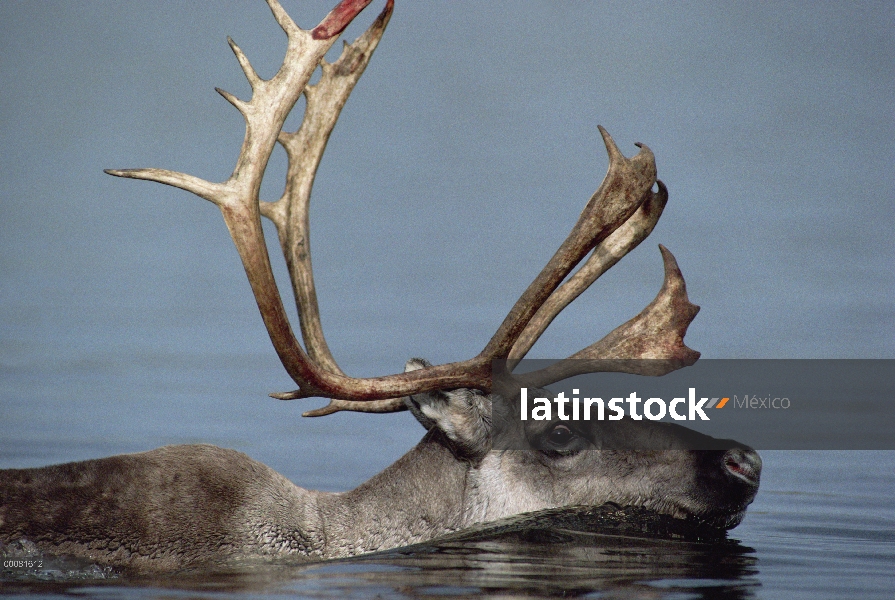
column 652, row 343
column 620, row 214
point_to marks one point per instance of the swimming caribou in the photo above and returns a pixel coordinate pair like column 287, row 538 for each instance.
column 193, row 504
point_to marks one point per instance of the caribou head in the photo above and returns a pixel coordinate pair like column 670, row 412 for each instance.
column 184, row 505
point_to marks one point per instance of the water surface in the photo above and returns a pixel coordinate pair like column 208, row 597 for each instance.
column 823, row 524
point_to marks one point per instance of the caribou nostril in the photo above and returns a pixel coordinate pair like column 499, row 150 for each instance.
column 743, row 463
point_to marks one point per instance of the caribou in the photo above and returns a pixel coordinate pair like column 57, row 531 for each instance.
column 187, row 505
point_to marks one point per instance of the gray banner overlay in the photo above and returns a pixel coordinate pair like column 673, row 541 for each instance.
column 770, row 404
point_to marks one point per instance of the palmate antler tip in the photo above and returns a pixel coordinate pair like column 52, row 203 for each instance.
column 612, row 149
column 384, row 17
column 388, row 10
column 676, row 286
column 670, row 262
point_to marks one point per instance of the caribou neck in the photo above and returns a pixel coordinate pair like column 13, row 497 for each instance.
column 417, row 498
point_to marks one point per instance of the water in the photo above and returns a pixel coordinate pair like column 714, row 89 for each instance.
column 823, row 524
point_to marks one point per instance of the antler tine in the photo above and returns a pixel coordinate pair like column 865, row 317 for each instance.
column 604, row 257
column 247, row 68
column 389, row 405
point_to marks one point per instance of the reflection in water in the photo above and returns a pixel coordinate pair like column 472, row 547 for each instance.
column 567, row 563
column 600, row 551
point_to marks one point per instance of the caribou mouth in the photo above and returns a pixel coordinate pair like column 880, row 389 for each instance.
column 722, row 521
column 720, row 518
column 675, row 522
column 718, row 521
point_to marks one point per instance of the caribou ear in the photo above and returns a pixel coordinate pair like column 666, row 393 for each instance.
column 463, row 416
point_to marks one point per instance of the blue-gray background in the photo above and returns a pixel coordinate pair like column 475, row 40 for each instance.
column 458, row 166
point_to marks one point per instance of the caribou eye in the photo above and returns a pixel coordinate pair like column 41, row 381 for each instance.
column 560, row 436
column 559, row 441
